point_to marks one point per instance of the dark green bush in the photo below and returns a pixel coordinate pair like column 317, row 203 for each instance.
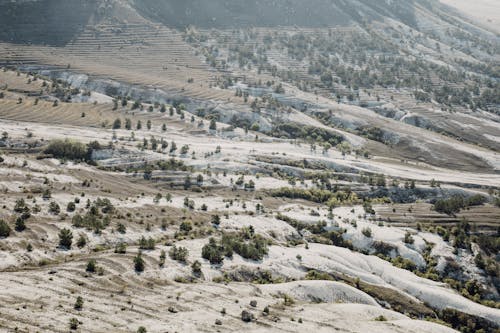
column 139, row 263
column 178, row 253
column 4, row 229
column 65, row 238
column 213, row 252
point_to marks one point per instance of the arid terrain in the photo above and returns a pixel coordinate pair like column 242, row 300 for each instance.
column 249, row 166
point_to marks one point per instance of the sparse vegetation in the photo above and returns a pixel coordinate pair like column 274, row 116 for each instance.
column 289, row 157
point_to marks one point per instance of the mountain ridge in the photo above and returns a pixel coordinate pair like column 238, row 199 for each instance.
column 57, row 22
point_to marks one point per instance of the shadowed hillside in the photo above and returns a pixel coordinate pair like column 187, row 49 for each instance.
column 316, row 13
column 49, row 22
column 57, row 22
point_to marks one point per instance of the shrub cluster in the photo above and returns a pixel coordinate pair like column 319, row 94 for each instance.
column 453, row 205
column 72, row 150
column 245, row 243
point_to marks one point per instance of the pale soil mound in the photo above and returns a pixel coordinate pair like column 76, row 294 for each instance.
column 321, row 292
column 120, row 301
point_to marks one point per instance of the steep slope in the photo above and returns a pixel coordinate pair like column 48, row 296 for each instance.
column 241, row 13
column 57, row 22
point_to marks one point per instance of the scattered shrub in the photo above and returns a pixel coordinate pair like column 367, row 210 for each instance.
column 121, row 248
column 408, row 238
column 146, row 244
column 20, row 225
column 71, row 206
column 196, row 268
column 54, row 208
column 91, row 266
column 73, row 324
column 367, row 232
column 82, row 241
column 246, row 316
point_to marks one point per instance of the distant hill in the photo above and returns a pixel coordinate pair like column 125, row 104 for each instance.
column 52, row 22
column 237, row 13
column 56, row 22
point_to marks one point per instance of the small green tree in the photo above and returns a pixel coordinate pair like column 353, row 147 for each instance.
column 121, row 228
column 213, row 125
column 216, row 219
column 136, row 105
column 128, row 124
column 139, row 264
column 367, row 232
column 408, row 238
column 173, row 147
column 4, row 229
column 54, row 208
column 213, row 252
column 79, row 303
column 196, row 268
column 163, row 256
column 121, row 248
column 73, row 324
column 187, row 182
column 117, row 124
column 71, row 206
column 91, row 266
column 186, row 226
column 65, row 238
column 184, row 149
column 20, row 225
column 81, row 242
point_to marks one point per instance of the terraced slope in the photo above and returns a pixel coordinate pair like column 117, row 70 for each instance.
column 309, row 254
